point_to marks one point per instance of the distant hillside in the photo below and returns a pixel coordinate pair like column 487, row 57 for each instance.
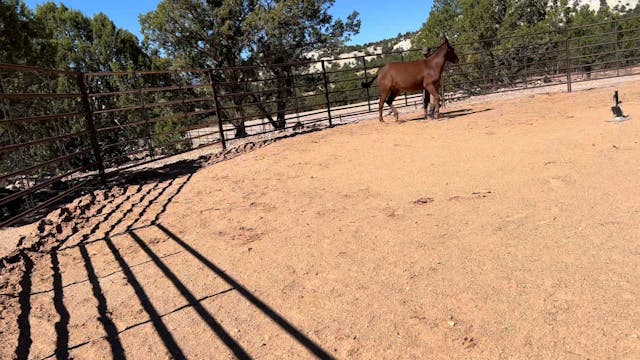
column 617, row 5
column 399, row 42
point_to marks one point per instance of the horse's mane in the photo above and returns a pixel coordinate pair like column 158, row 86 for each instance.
column 435, row 51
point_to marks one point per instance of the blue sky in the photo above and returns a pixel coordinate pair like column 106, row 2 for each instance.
column 380, row 18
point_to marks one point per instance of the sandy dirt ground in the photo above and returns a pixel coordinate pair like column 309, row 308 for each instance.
column 507, row 230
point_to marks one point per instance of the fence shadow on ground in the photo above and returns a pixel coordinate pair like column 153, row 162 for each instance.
column 117, row 226
column 285, row 325
column 141, row 175
column 124, row 212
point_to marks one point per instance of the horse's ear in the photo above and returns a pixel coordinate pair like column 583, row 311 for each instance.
column 444, row 39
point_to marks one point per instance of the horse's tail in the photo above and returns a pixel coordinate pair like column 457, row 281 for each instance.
column 367, row 84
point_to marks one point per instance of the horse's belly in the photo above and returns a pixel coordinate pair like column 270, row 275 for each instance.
column 410, row 87
column 415, row 87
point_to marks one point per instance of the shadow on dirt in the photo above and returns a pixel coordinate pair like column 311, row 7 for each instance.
column 138, row 175
column 141, row 208
column 285, row 325
column 121, row 253
column 450, row 114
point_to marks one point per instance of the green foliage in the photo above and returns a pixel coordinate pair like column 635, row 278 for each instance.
column 502, row 43
column 214, row 34
column 444, row 19
column 20, row 36
column 284, row 31
column 89, row 44
column 57, row 37
column 481, row 21
column 169, row 137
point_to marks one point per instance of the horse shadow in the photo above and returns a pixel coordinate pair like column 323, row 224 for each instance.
column 449, row 115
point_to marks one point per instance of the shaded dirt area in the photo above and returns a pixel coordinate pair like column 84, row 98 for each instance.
column 507, row 230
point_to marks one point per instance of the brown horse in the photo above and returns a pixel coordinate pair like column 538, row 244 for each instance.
column 414, row 76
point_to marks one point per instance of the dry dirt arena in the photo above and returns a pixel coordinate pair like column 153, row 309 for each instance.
column 508, row 230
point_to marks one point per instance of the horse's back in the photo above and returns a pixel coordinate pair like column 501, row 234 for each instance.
column 405, row 76
column 410, row 68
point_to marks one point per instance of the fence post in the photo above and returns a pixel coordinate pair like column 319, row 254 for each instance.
column 93, row 134
column 182, row 104
column 366, row 79
column 617, row 48
column 217, row 105
column 443, row 97
column 326, row 92
column 483, row 67
column 568, row 58
column 524, row 61
column 406, row 102
column 295, row 94
column 144, row 114
column 6, row 110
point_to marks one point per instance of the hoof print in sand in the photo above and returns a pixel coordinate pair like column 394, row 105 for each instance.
column 424, row 201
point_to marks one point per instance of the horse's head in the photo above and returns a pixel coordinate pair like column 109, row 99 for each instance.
column 450, row 55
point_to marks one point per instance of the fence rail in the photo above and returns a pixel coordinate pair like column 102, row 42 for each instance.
column 62, row 131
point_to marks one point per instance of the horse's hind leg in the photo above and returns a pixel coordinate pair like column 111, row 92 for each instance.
column 392, row 96
column 425, row 101
column 384, row 94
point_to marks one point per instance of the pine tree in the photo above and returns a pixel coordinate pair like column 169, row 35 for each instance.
column 444, row 19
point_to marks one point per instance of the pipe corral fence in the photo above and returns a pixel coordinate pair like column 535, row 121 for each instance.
column 64, row 131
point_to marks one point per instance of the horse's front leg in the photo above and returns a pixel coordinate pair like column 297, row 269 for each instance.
column 436, row 99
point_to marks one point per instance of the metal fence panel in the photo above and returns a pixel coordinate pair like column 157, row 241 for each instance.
column 62, row 130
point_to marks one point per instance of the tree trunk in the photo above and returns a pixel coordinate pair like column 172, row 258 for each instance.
column 241, row 131
column 238, row 116
column 281, row 121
